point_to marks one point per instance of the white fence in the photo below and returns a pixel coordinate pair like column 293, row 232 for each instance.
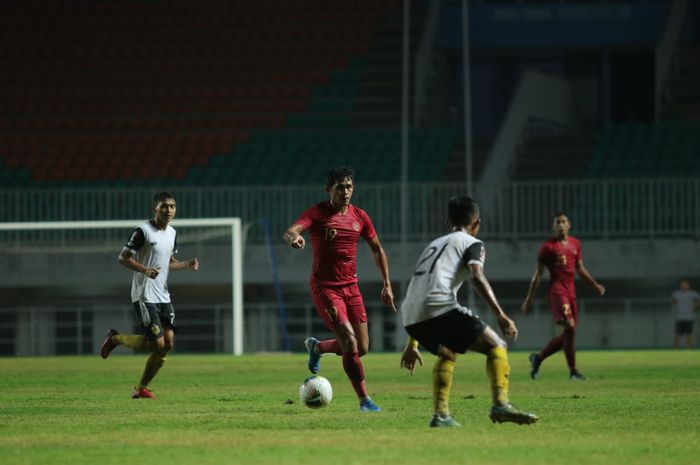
column 642, row 208
column 604, row 324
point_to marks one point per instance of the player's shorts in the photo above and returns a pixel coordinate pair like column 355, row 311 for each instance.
column 684, row 327
column 563, row 306
column 338, row 305
column 154, row 318
column 456, row 330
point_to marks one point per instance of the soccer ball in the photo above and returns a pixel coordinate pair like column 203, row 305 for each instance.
column 316, row 392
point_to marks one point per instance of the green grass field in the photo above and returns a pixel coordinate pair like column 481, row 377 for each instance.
column 636, row 408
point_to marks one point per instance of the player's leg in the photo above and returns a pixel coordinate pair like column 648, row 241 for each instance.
column 443, row 372
column 133, row 341
column 161, row 333
column 497, row 366
column 679, row 335
column 155, row 362
column 689, row 336
column 326, row 301
column 345, row 335
column 569, row 324
column 357, row 346
column 498, row 370
column 556, row 306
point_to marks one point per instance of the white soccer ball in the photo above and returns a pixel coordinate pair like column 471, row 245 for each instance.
column 316, row 392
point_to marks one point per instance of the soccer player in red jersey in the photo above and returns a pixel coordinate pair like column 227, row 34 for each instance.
column 335, row 226
column 561, row 255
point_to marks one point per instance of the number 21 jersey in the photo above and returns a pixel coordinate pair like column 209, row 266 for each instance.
column 441, row 270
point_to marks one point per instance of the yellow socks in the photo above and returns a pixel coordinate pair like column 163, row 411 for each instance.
column 132, row 341
column 498, row 370
column 153, row 365
column 442, row 383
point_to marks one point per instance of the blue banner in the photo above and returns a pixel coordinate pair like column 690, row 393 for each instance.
column 556, row 25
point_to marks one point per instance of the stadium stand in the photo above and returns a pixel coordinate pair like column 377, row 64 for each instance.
column 136, row 93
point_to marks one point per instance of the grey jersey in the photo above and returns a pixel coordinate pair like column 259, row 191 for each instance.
column 441, row 270
column 685, row 303
column 152, row 248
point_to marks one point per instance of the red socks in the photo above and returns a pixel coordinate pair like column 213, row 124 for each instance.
column 330, row 346
column 552, row 347
column 356, row 374
column 569, row 343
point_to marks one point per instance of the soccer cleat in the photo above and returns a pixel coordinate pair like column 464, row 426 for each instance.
column 314, row 362
column 576, row 376
column 366, row 405
column 108, row 345
column 509, row 413
column 439, row 422
column 142, row 393
column 535, row 363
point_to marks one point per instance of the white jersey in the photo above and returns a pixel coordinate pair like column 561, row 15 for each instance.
column 440, row 272
column 153, row 248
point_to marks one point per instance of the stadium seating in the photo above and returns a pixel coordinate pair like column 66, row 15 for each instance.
column 670, row 148
column 133, row 93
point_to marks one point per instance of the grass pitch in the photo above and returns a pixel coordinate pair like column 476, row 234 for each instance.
column 636, row 408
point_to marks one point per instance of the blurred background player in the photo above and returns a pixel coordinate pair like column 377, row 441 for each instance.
column 561, row 255
column 150, row 254
column 335, row 226
column 433, row 316
column 684, row 300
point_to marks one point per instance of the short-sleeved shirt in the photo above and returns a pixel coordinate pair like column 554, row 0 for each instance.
column 334, row 238
column 561, row 258
column 441, row 270
column 153, row 248
column 685, row 302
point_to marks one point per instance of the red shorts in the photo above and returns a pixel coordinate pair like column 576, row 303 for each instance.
column 563, row 307
column 339, row 304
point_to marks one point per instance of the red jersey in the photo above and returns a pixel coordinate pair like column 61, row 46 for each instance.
column 560, row 258
column 334, row 238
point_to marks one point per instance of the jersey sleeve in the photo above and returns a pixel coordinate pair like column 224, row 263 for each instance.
column 368, row 232
column 306, row 219
column 544, row 254
column 175, row 244
column 475, row 254
column 136, row 241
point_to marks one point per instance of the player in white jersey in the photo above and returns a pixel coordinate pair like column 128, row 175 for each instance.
column 434, row 318
column 149, row 252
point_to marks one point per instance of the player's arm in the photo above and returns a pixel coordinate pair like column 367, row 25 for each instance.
column 127, row 256
column 586, row 276
column 176, row 265
column 483, row 288
column 411, row 355
column 532, row 289
column 293, row 238
column 126, row 259
column 383, row 264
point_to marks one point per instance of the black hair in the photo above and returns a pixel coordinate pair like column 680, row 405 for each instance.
column 161, row 197
column 338, row 174
column 558, row 214
column 462, row 210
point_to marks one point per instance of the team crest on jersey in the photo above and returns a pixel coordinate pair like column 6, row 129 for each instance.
column 356, row 226
column 155, row 329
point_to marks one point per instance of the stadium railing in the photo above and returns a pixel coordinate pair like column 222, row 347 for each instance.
column 600, row 208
